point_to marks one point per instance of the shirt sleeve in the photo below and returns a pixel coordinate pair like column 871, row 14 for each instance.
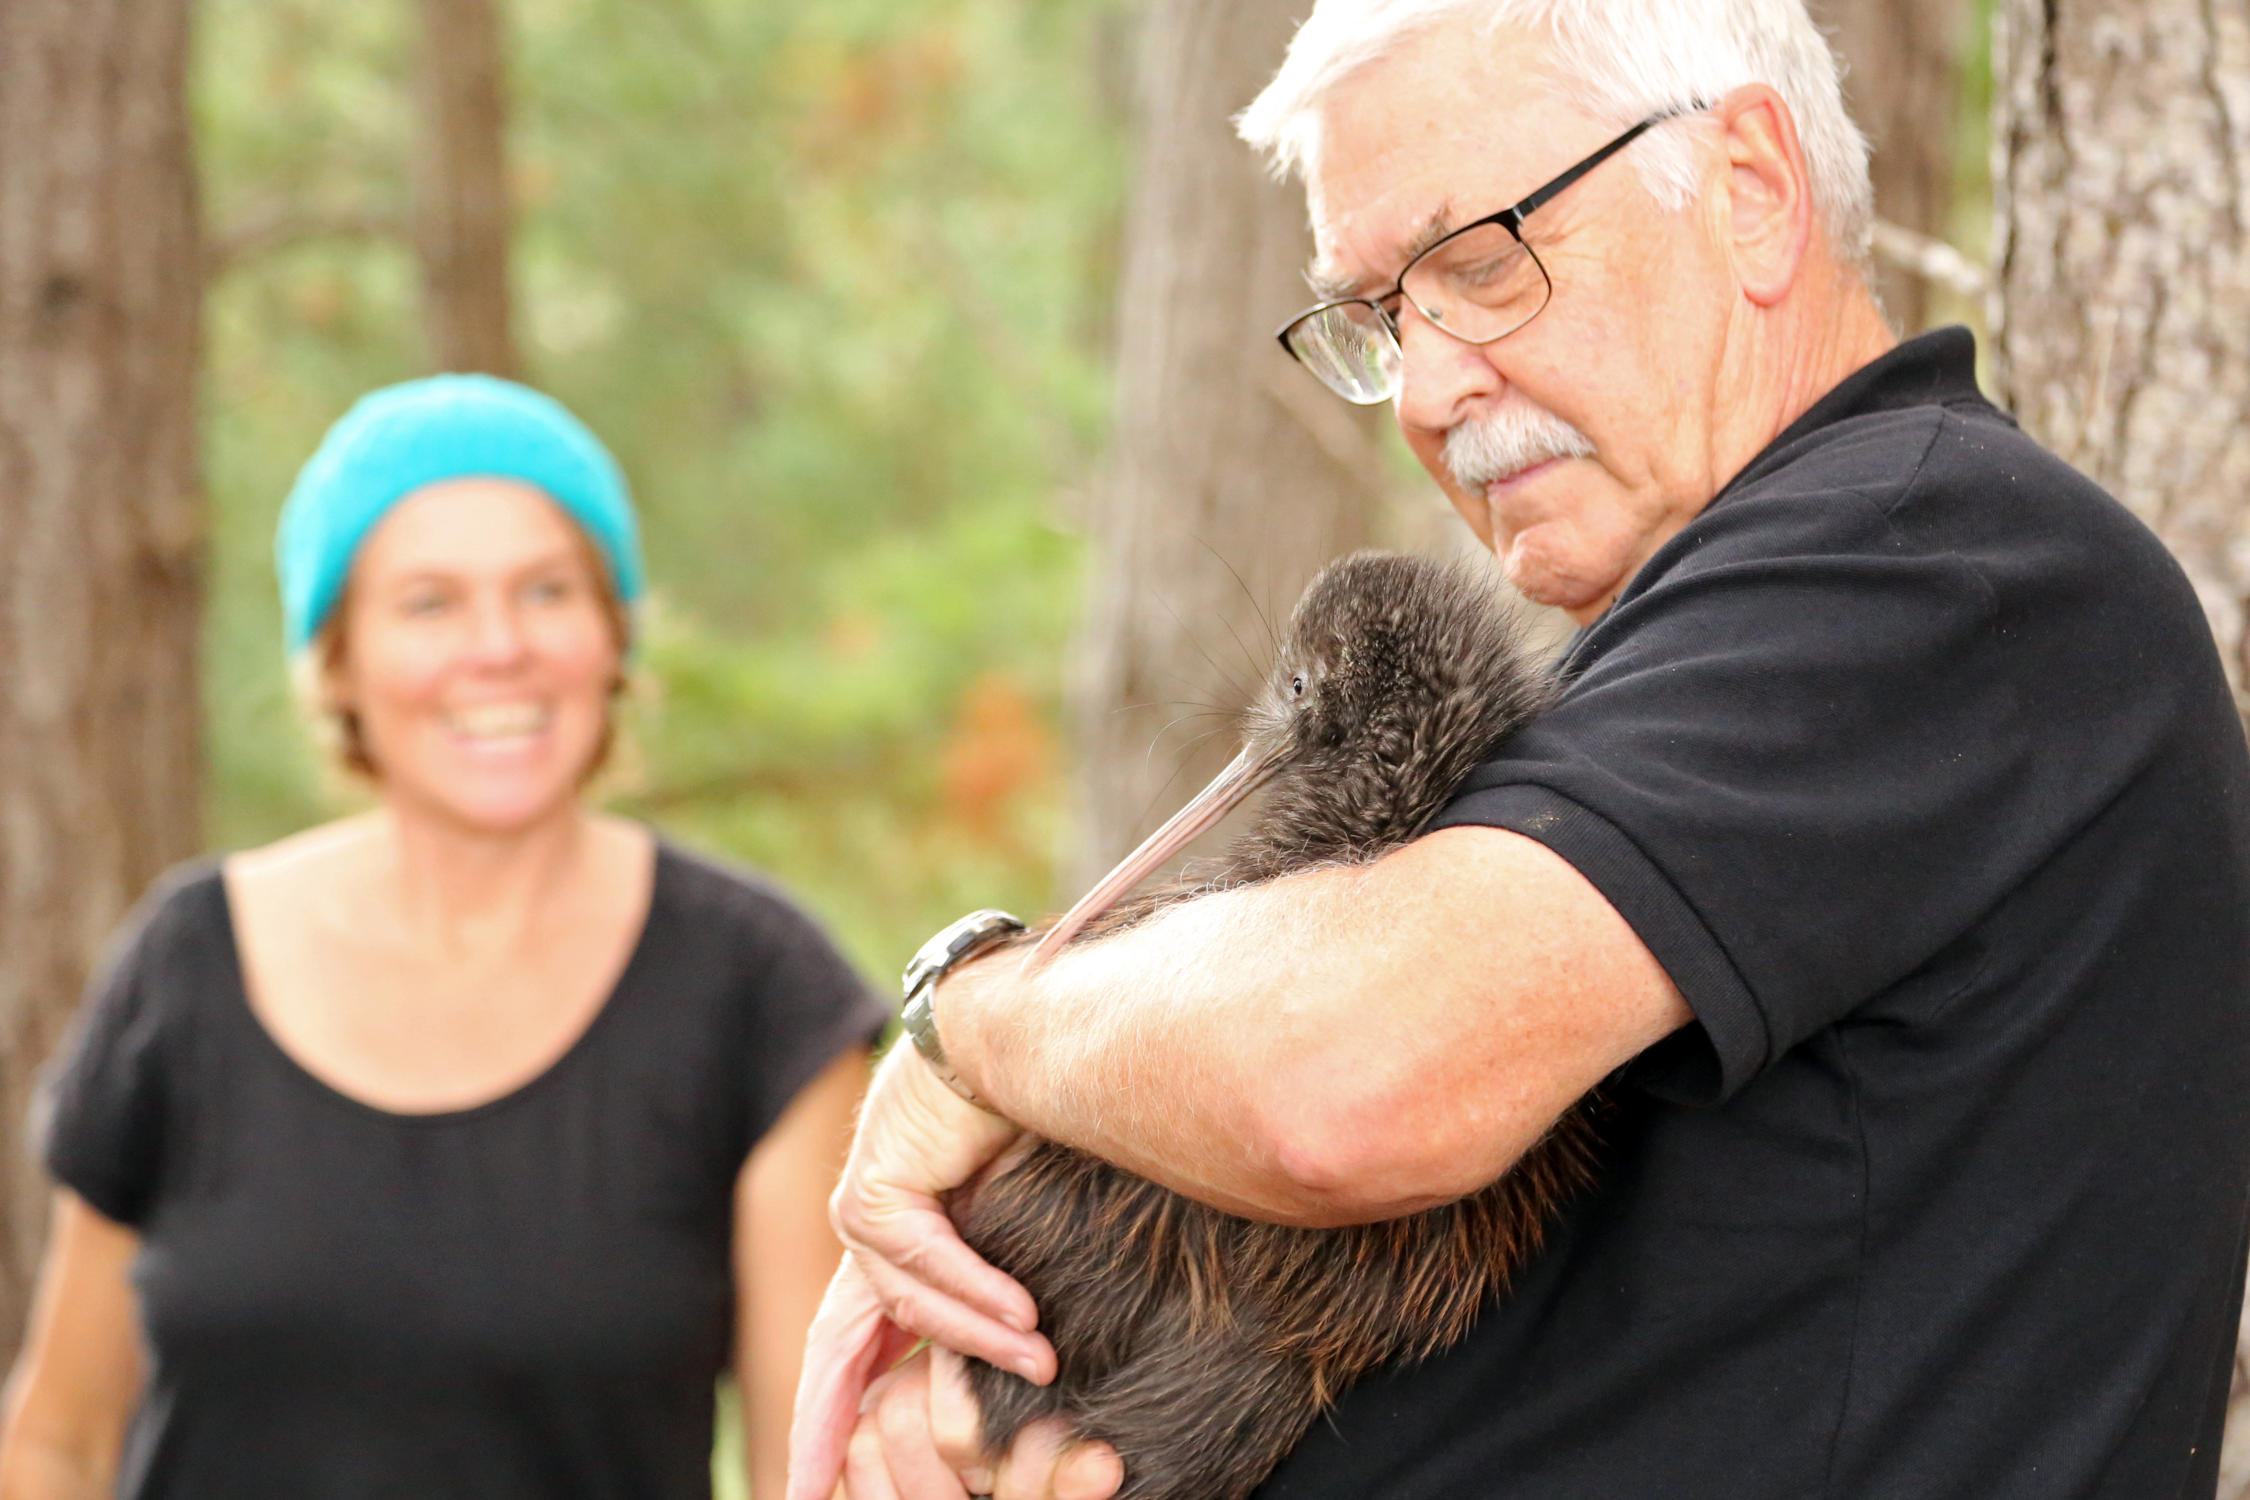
column 809, row 1005
column 98, row 1118
column 1834, row 731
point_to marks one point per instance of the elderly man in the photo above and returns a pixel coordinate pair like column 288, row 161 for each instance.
column 1887, row 854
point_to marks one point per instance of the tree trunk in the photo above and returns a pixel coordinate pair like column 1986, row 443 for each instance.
column 2122, row 266
column 1233, row 474
column 100, row 521
column 2121, row 134
column 461, row 205
column 1902, row 81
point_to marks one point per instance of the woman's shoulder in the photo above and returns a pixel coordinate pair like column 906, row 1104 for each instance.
column 298, row 860
column 184, row 909
column 740, row 920
column 731, row 897
column 277, row 895
column 777, row 984
column 161, row 961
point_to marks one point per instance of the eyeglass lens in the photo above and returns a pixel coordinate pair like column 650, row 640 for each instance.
column 1351, row 348
column 1479, row 285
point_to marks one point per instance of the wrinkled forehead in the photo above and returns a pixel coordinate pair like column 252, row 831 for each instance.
column 1455, row 123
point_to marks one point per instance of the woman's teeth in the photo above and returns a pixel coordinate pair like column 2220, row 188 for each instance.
column 498, row 721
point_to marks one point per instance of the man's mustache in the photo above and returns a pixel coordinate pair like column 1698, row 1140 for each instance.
column 1496, row 444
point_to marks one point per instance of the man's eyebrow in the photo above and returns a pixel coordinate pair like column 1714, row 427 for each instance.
column 1328, row 286
column 1434, row 228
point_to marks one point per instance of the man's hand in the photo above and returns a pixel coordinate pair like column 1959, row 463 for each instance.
column 907, row 1274
column 919, row 1440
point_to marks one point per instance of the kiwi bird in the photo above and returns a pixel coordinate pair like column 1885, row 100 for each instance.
column 1199, row 1344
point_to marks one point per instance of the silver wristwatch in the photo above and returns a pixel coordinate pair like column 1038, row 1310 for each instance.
column 962, row 941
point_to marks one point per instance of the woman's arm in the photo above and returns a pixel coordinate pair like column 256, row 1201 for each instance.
column 784, row 1254
column 76, row 1381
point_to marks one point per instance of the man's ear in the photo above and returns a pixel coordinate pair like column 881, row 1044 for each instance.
column 1769, row 199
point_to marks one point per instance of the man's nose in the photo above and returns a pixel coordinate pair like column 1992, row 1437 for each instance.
column 1440, row 377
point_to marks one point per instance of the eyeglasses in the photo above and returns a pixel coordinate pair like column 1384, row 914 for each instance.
column 1479, row 283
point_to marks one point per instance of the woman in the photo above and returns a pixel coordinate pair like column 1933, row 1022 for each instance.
column 444, row 1150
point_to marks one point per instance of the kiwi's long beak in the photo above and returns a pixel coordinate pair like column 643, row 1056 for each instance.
column 1244, row 774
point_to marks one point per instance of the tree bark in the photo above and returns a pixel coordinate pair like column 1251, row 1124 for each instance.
column 1233, row 474
column 2121, row 135
column 2122, row 266
column 461, row 202
column 101, row 521
column 1902, row 61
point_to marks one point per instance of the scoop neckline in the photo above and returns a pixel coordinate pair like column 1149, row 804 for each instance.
column 238, row 988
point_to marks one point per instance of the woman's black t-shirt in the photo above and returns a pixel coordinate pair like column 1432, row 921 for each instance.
column 529, row 1298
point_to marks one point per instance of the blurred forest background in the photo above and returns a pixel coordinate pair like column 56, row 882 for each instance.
column 933, row 336
column 839, row 284
column 834, row 282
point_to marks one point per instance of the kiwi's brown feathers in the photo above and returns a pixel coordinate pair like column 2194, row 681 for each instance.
column 1199, row 1344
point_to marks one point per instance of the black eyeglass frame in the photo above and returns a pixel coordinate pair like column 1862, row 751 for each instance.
column 1511, row 219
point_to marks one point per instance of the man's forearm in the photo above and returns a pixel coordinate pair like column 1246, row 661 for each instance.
column 1162, row 1048
column 1331, row 1047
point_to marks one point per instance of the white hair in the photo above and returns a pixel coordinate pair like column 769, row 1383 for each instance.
column 1623, row 60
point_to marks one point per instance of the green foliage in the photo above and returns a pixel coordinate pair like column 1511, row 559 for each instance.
column 899, row 769
column 728, row 1458
column 833, row 281
column 1971, row 226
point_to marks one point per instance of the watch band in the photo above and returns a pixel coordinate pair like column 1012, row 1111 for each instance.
column 956, row 944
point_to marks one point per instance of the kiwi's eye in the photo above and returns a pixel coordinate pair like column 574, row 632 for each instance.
column 1297, row 686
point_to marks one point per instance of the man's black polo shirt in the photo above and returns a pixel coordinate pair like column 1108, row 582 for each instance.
column 1911, row 760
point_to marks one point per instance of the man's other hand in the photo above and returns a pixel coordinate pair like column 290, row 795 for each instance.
column 907, row 1274
column 918, row 1440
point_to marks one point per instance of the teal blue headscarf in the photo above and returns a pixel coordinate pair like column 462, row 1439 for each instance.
column 402, row 437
